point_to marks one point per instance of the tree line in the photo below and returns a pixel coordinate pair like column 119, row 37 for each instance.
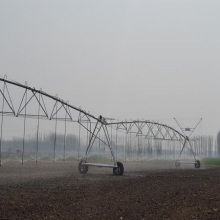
column 135, row 147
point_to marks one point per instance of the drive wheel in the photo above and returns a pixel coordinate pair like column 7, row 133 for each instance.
column 83, row 169
column 119, row 170
column 177, row 163
column 197, row 164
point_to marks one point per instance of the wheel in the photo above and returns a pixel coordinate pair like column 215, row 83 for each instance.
column 177, row 163
column 83, row 169
column 197, row 164
column 119, row 170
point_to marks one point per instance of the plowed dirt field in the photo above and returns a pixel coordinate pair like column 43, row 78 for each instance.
column 47, row 190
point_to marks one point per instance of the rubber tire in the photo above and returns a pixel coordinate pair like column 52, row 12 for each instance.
column 119, row 170
column 197, row 164
column 82, row 168
column 177, row 164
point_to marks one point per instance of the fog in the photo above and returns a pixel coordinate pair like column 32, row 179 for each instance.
column 121, row 59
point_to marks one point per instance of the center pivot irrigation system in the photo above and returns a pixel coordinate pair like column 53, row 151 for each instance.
column 33, row 103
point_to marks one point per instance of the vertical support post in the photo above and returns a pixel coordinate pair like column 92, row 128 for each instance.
column 125, row 143
column 79, row 139
column 64, row 141
column 55, row 138
column 22, row 158
column 111, row 140
column 87, row 134
column 130, row 145
column 3, row 103
column 116, row 144
column 38, row 122
column 138, row 145
column 90, row 133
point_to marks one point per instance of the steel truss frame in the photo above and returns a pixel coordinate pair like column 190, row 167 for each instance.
column 92, row 124
column 158, row 131
column 146, row 129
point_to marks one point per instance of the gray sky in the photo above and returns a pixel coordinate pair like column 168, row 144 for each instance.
column 149, row 59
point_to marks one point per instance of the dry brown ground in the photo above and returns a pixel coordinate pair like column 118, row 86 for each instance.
column 49, row 190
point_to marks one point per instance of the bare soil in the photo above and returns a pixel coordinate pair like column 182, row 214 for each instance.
column 47, row 190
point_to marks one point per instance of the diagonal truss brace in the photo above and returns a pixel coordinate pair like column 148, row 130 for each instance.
column 100, row 125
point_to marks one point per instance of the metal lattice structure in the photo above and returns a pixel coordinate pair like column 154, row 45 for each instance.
column 149, row 129
column 20, row 100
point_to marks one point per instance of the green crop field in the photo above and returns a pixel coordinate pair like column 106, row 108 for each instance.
column 211, row 161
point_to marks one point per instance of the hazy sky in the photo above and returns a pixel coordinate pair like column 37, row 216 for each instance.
column 149, row 59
